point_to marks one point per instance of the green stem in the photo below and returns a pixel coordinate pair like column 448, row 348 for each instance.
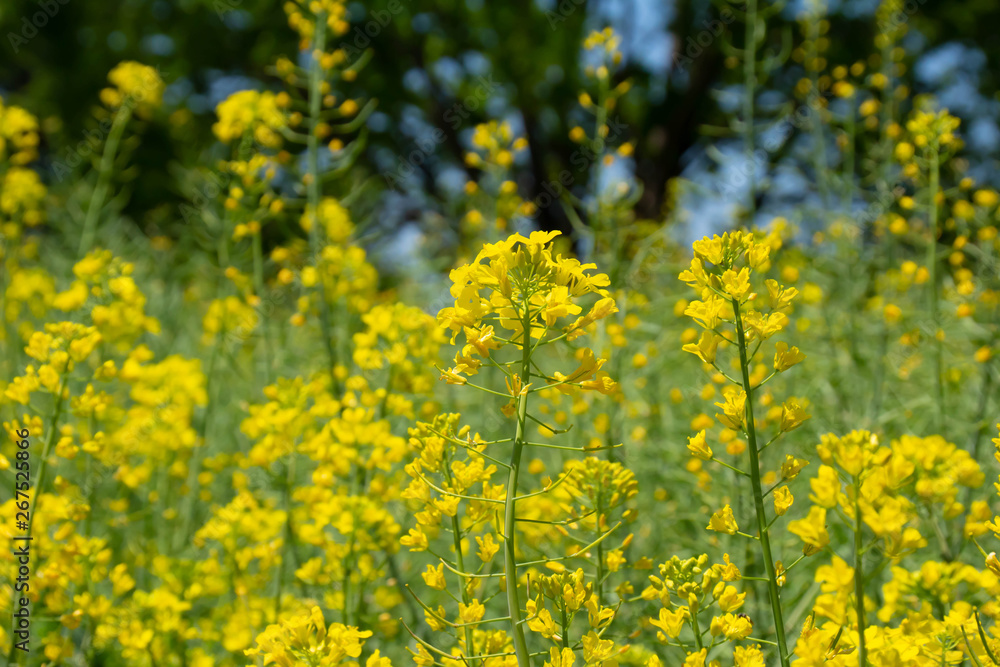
column 749, row 90
column 859, row 582
column 932, row 282
column 288, row 547
column 510, row 562
column 313, row 191
column 816, row 112
column 599, row 588
column 103, row 180
column 696, row 629
column 849, row 163
column 758, row 496
column 456, row 532
column 258, row 283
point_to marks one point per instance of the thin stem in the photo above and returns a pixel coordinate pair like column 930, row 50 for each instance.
column 103, row 180
column 849, row 162
column 696, row 629
column 859, row 584
column 313, row 191
column 510, row 511
column 258, row 279
column 457, row 536
column 565, row 627
column 749, row 90
column 816, row 112
column 932, row 282
column 287, row 547
column 600, row 553
column 758, row 496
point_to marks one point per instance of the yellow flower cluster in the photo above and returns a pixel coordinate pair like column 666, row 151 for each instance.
column 267, row 489
column 18, row 135
column 699, row 589
column 403, row 340
column 254, row 112
column 333, row 218
column 135, row 87
column 21, row 199
column 495, row 149
column 521, row 286
column 305, row 639
column 304, row 14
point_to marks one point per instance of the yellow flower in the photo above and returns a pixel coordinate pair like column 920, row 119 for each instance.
column 560, row 658
column 488, row 547
column 595, row 649
column 422, row 658
column 748, row 656
column 434, row 577
column 706, row 347
column 615, row 560
column 597, row 615
column 250, row 111
column 376, row 660
column 993, row 563
column 733, row 627
column 723, row 521
column 837, row 577
column 811, row 530
column 18, row 135
column 761, row 327
column 729, row 571
column 785, row 357
column 416, row 540
column 307, row 632
column 730, row 599
column 707, row 313
column 136, row 86
column 334, row 220
column 792, row 466
column 782, row 500
column 698, row 447
column 522, row 286
column 697, row 658
column 792, row 415
column 985, row 197
column 671, row 621
column 733, row 409
column 736, row 283
column 904, row 151
column 22, row 194
column 472, row 612
column 826, row 487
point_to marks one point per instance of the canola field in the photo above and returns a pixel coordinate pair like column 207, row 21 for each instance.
column 249, row 438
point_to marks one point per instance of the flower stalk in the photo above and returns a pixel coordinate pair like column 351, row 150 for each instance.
column 510, row 504
column 104, row 174
column 859, row 580
column 758, row 494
